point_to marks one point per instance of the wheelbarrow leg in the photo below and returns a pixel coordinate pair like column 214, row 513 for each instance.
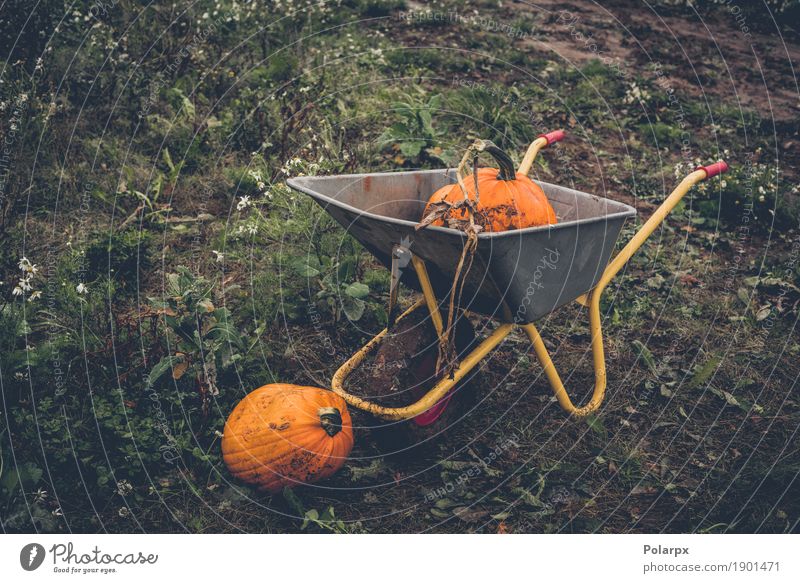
column 427, row 292
column 592, row 299
column 433, row 396
column 444, row 385
column 598, row 357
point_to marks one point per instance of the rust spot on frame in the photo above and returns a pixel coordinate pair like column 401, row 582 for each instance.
column 367, row 183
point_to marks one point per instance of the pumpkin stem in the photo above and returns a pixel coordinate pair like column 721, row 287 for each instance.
column 331, row 420
column 503, row 160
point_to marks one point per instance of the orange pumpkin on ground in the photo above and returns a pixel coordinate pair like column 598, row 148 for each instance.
column 284, row 435
column 506, row 200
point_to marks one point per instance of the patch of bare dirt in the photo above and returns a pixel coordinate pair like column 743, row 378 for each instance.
column 722, row 59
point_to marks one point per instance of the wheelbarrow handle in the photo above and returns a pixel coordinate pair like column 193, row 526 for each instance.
column 712, row 170
column 592, row 299
column 542, row 141
column 554, row 136
column 701, row 173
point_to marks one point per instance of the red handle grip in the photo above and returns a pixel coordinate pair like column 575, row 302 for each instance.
column 554, row 136
column 714, row 169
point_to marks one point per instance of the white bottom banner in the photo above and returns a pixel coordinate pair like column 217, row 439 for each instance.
column 355, row 558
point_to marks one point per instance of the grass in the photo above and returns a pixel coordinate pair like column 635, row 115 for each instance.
column 203, row 276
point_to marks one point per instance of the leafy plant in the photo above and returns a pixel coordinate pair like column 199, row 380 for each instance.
column 414, row 136
column 325, row 520
column 200, row 337
column 502, row 114
column 161, row 184
column 335, row 290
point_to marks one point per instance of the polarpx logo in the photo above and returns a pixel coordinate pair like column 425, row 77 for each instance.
column 31, row 556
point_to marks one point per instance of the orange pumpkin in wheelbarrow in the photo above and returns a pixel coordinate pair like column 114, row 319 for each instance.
column 504, row 199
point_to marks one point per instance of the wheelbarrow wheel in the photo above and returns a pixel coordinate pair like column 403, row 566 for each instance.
column 404, row 369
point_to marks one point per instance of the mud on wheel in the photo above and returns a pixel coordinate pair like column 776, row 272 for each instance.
column 403, row 370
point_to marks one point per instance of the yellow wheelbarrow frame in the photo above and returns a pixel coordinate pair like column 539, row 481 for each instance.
column 591, row 300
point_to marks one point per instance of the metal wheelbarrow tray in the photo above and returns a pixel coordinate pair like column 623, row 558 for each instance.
column 525, row 273
column 517, row 276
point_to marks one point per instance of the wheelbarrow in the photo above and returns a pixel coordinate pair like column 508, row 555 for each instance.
column 517, row 277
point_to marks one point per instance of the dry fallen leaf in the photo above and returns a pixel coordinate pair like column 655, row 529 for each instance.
column 180, row 368
column 643, row 491
column 470, row 514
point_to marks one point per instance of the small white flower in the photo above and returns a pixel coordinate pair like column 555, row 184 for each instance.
column 244, row 202
column 35, row 296
column 220, row 256
column 252, row 230
column 81, row 288
column 124, row 512
column 17, row 291
column 124, row 487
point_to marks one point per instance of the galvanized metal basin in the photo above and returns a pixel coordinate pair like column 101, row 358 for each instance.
column 517, row 276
